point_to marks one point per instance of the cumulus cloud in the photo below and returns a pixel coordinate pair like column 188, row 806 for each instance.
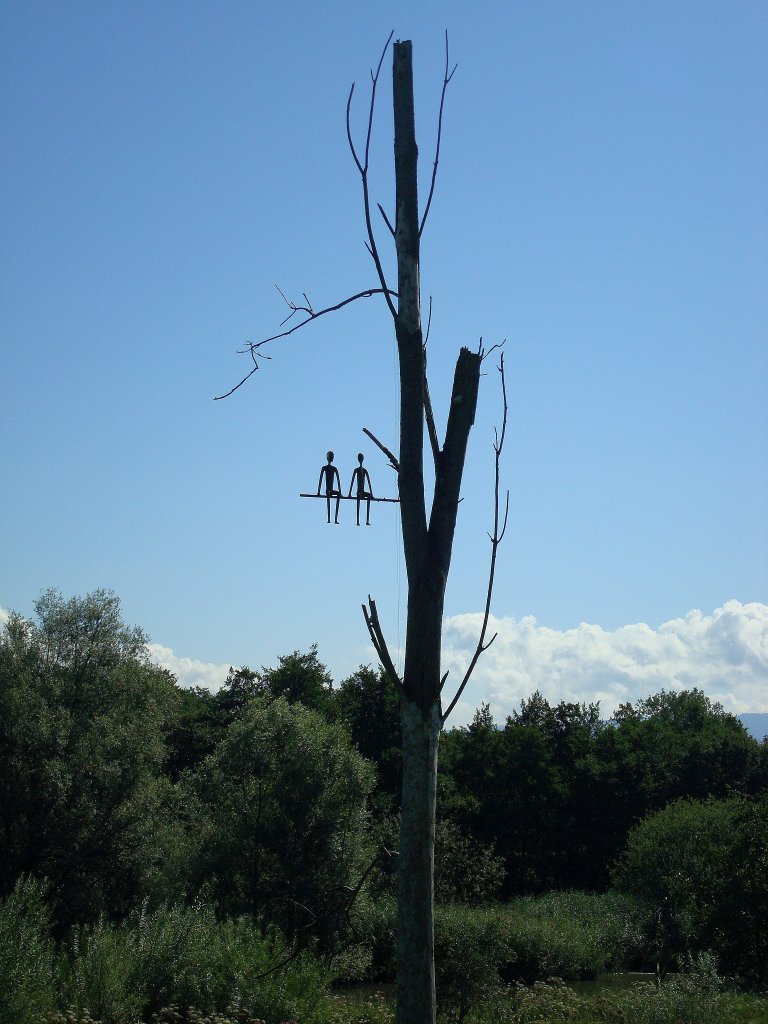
column 188, row 671
column 725, row 654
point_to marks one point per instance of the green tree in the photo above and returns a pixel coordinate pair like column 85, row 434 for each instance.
column 702, row 866
column 670, row 746
column 283, row 818
column 299, row 678
column 83, row 722
column 501, row 786
column 584, row 843
column 685, row 745
column 368, row 706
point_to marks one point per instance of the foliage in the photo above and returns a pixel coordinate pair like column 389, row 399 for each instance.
column 571, row 935
column 184, row 956
column 537, row 789
column 83, row 722
column 703, row 868
column 465, row 870
column 176, row 955
column 27, row 957
column 368, row 706
column 299, row 678
column 675, row 745
column 470, row 945
column 283, row 818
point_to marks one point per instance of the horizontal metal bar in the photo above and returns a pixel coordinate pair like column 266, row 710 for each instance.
column 348, row 497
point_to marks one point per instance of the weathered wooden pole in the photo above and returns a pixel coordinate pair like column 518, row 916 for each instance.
column 427, row 548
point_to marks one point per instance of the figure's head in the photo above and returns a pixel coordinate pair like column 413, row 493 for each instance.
column 329, row 456
column 360, row 458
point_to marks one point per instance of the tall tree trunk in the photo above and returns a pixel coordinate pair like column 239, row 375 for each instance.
column 427, row 549
column 415, row 890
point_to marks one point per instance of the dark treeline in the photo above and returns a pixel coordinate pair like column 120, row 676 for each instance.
column 277, row 796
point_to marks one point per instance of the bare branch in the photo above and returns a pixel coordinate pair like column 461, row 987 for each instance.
column 363, row 170
column 496, row 539
column 311, row 314
column 429, row 416
column 377, row 638
column 383, row 213
column 393, row 461
column 446, row 80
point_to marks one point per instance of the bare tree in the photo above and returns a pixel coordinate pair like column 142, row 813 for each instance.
column 427, row 542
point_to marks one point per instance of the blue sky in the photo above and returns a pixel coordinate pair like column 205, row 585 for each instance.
column 601, row 204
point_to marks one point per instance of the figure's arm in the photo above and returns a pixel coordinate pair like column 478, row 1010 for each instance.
column 351, row 484
column 370, row 485
column 338, row 480
column 319, row 482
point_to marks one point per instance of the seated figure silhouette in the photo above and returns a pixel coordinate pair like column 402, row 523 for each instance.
column 331, row 475
column 359, row 479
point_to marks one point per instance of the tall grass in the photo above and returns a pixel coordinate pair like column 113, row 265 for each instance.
column 571, row 935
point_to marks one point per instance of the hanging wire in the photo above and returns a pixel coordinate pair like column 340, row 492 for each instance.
column 398, row 527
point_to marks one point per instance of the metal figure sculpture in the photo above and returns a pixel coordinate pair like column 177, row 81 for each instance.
column 331, row 475
column 360, row 477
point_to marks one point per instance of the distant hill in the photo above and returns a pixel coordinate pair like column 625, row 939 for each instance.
column 756, row 723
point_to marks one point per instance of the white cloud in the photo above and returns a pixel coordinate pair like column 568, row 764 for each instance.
column 725, row 654
column 188, row 671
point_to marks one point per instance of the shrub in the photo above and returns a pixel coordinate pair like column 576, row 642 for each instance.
column 27, row 962
column 703, row 868
column 469, row 948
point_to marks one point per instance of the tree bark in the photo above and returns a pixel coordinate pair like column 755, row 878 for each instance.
column 415, row 890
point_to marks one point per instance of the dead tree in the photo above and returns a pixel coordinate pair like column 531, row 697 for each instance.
column 427, row 541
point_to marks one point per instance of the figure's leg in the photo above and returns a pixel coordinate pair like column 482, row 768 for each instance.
column 368, row 512
column 338, row 499
column 357, row 509
column 328, row 505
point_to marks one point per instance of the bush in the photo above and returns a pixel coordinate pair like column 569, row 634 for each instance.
column 27, row 961
column 702, row 866
column 465, row 871
column 470, row 945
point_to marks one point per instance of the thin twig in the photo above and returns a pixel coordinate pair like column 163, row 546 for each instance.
column 429, row 323
column 496, row 539
column 393, row 461
column 446, row 80
column 499, row 344
column 311, row 315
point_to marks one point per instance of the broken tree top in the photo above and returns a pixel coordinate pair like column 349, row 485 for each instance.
column 330, row 484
